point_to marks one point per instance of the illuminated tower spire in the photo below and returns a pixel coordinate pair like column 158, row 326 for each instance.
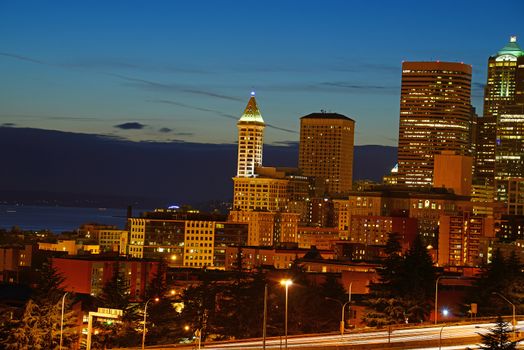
column 250, row 139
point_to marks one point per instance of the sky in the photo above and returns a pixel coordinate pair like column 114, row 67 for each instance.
column 184, row 70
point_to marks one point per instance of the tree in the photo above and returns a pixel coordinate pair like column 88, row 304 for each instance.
column 200, row 306
column 405, row 285
column 241, row 307
column 164, row 323
column 39, row 325
column 383, row 306
column 418, row 282
column 115, row 295
column 498, row 337
column 39, row 328
column 49, row 284
column 502, row 275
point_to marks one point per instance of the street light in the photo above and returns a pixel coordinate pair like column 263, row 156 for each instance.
column 343, row 305
column 512, row 305
column 436, row 293
column 145, row 319
column 286, row 283
column 62, row 320
column 440, row 336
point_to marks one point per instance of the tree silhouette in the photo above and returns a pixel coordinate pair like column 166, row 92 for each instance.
column 498, row 337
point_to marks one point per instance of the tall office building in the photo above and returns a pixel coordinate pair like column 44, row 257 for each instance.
column 260, row 195
column 509, row 152
column 326, row 150
column 503, row 94
column 505, row 85
column 435, row 116
column 250, row 139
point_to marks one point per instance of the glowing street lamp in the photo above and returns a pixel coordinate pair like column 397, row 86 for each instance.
column 286, row 283
column 145, row 319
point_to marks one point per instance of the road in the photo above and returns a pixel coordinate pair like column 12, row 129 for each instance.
column 450, row 337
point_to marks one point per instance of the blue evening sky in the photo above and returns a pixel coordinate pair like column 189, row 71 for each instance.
column 183, row 70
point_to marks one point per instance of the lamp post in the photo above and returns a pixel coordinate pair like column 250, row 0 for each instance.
column 264, row 323
column 286, row 283
column 343, row 306
column 62, row 320
column 513, row 306
column 436, row 293
column 436, row 298
column 440, row 336
column 145, row 319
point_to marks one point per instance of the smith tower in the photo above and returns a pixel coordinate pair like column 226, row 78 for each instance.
column 250, row 139
column 435, row 116
column 260, row 194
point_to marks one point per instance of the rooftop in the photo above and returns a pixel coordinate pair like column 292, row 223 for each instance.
column 326, row 115
column 511, row 48
column 252, row 113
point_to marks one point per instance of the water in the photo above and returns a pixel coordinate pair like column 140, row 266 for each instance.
column 58, row 219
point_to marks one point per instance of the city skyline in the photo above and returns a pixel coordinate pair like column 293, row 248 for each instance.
column 169, row 71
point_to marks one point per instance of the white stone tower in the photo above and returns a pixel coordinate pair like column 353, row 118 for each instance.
column 250, row 139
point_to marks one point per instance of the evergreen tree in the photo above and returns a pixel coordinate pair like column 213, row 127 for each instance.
column 384, row 306
column 503, row 276
column 498, row 337
column 418, row 282
column 164, row 323
column 405, row 285
column 115, row 295
column 331, row 288
column 49, row 284
column 39, row 328
column 241, row 307
column 200, row 307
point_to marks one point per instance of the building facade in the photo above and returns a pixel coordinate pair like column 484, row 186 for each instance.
column 195, row 243
column 435, row 116
column 326, row 150
column 250, row 139
column 509, row 152
column 503, row 94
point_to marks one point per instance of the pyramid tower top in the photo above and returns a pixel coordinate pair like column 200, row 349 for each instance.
column 252, row 114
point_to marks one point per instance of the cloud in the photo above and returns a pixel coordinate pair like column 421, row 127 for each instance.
column 354, row 86
column 477, row 86
column 184, row 133
column 219, row 113
column 156, row 86
column 174, row 103
column 8, row 124
column 165, row 130
column 287, row 143
column 364, row 66
column 130, row 126
column 22, row 58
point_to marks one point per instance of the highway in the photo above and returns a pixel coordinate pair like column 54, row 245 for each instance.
column 450, row 337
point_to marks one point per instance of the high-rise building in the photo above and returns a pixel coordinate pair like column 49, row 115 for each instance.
column 260, row 194
column 505, row 85
column 460, row 237
column 326, row 150
column 435, row 116
column 250, row 139
column 503, row 94
column 509, row 152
